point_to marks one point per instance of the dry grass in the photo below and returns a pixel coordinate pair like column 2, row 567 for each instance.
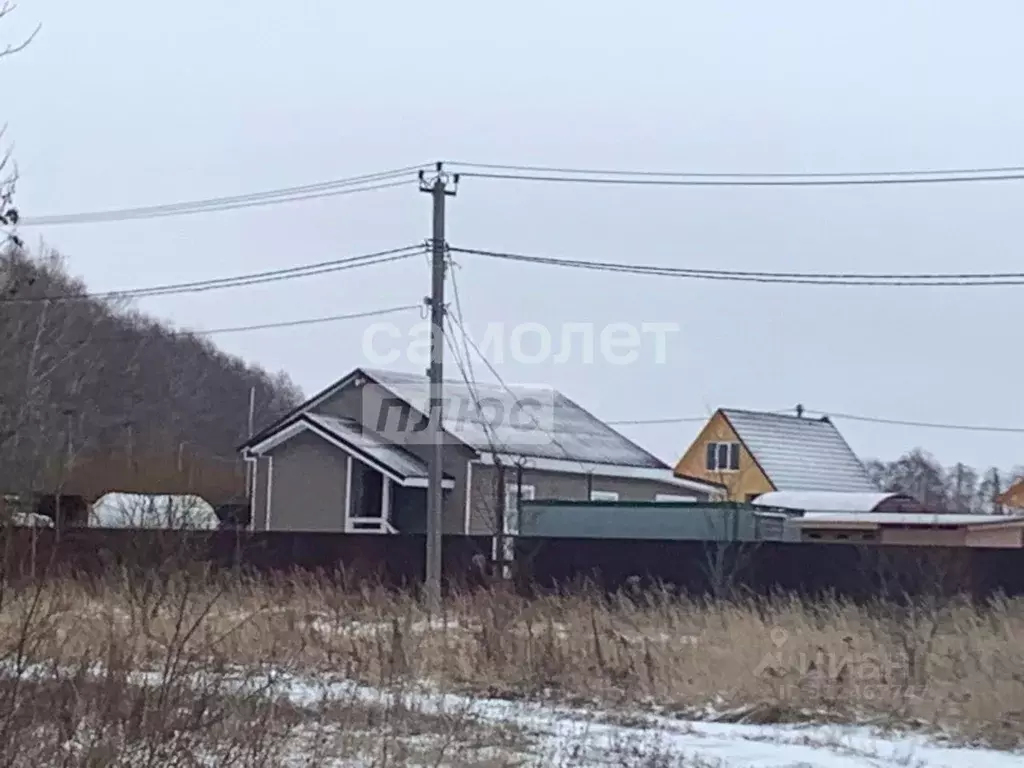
column 72, row 655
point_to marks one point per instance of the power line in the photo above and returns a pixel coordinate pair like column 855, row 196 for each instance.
column 669, row 420
column 142, row 339
column 841, row 416
column 955, row 172
column 739, row 182
column 555, row 441
column 253, row 278
column 470, row 381
column 299, row 322
column 923, row 424
column 334, row 188
column 963, row 279
column 469, row 377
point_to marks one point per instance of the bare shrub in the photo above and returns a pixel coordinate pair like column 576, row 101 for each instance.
column 143, row 672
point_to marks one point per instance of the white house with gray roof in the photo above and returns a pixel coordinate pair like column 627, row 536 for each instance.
column 354, row 458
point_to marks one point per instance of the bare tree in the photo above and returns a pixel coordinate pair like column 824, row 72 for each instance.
column 8, row 170
column 729, row 547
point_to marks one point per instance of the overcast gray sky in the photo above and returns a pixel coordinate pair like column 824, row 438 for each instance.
column 121, row 103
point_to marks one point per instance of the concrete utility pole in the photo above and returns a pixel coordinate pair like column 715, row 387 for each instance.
column 438, row 189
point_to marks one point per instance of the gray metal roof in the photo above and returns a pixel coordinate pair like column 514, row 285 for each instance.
column 550, row 426
column 800, row 453
column 397, row 459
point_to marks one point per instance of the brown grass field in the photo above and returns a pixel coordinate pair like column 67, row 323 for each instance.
column 154, row 670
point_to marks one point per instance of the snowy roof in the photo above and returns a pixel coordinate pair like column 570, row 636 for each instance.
column 400, row 461
column 929, row 519
column 799, row 453
column 827, row 501
column 526, row 420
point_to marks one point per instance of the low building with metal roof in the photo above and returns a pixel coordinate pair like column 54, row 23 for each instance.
column 910, row 529
column 840, row 501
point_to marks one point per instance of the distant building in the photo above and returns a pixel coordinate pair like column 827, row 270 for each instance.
column 355, row 458
column 753, row 453
column 840, row 501
column 909, row 529
column 1013, row 497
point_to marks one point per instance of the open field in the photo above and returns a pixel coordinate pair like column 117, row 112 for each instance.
column 198, row 669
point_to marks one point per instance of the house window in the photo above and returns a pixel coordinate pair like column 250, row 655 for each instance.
column 512, row 495
column 722, row 457
column 604, row 496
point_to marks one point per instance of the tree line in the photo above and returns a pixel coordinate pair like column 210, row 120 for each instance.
column 94, row 377
column 959, row 488
column 83, row 376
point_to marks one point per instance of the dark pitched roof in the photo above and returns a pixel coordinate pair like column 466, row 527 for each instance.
column 560, row 428
column 552, row 427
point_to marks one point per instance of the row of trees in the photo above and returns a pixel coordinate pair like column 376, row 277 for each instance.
column 81, row 375
column 84, row 375
column 958, row 488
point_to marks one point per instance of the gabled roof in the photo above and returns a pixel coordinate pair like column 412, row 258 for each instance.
column 830, row 501
column 560, row 429
column 797, row 453
column 390, row 459
column 401, row 462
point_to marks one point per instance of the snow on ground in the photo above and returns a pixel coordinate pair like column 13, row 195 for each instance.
column 552, row 735
column 567, row 736
column 339, row 625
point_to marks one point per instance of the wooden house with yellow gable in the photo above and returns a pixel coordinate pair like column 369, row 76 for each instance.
column 1013, row 497
column 754, row 452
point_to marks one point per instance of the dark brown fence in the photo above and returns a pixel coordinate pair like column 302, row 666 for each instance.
column 843, row 570
column 395, row 561
column 813, row 570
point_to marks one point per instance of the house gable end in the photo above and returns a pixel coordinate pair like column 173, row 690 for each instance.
column 749, row 480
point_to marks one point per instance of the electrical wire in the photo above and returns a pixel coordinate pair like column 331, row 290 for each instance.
column 393, row 178
column 554, row 440
column 922, row 424
column 669, row 420
column 130, row 339
column 470, row 382
column 469, row 377
column 254, row 278
column 299, row 322
column 1012, row 169
column 333, row 188
column 841, row 416
column 740, row 182
column 963, row 279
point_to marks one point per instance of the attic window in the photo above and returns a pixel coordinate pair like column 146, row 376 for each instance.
column 722, row 457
